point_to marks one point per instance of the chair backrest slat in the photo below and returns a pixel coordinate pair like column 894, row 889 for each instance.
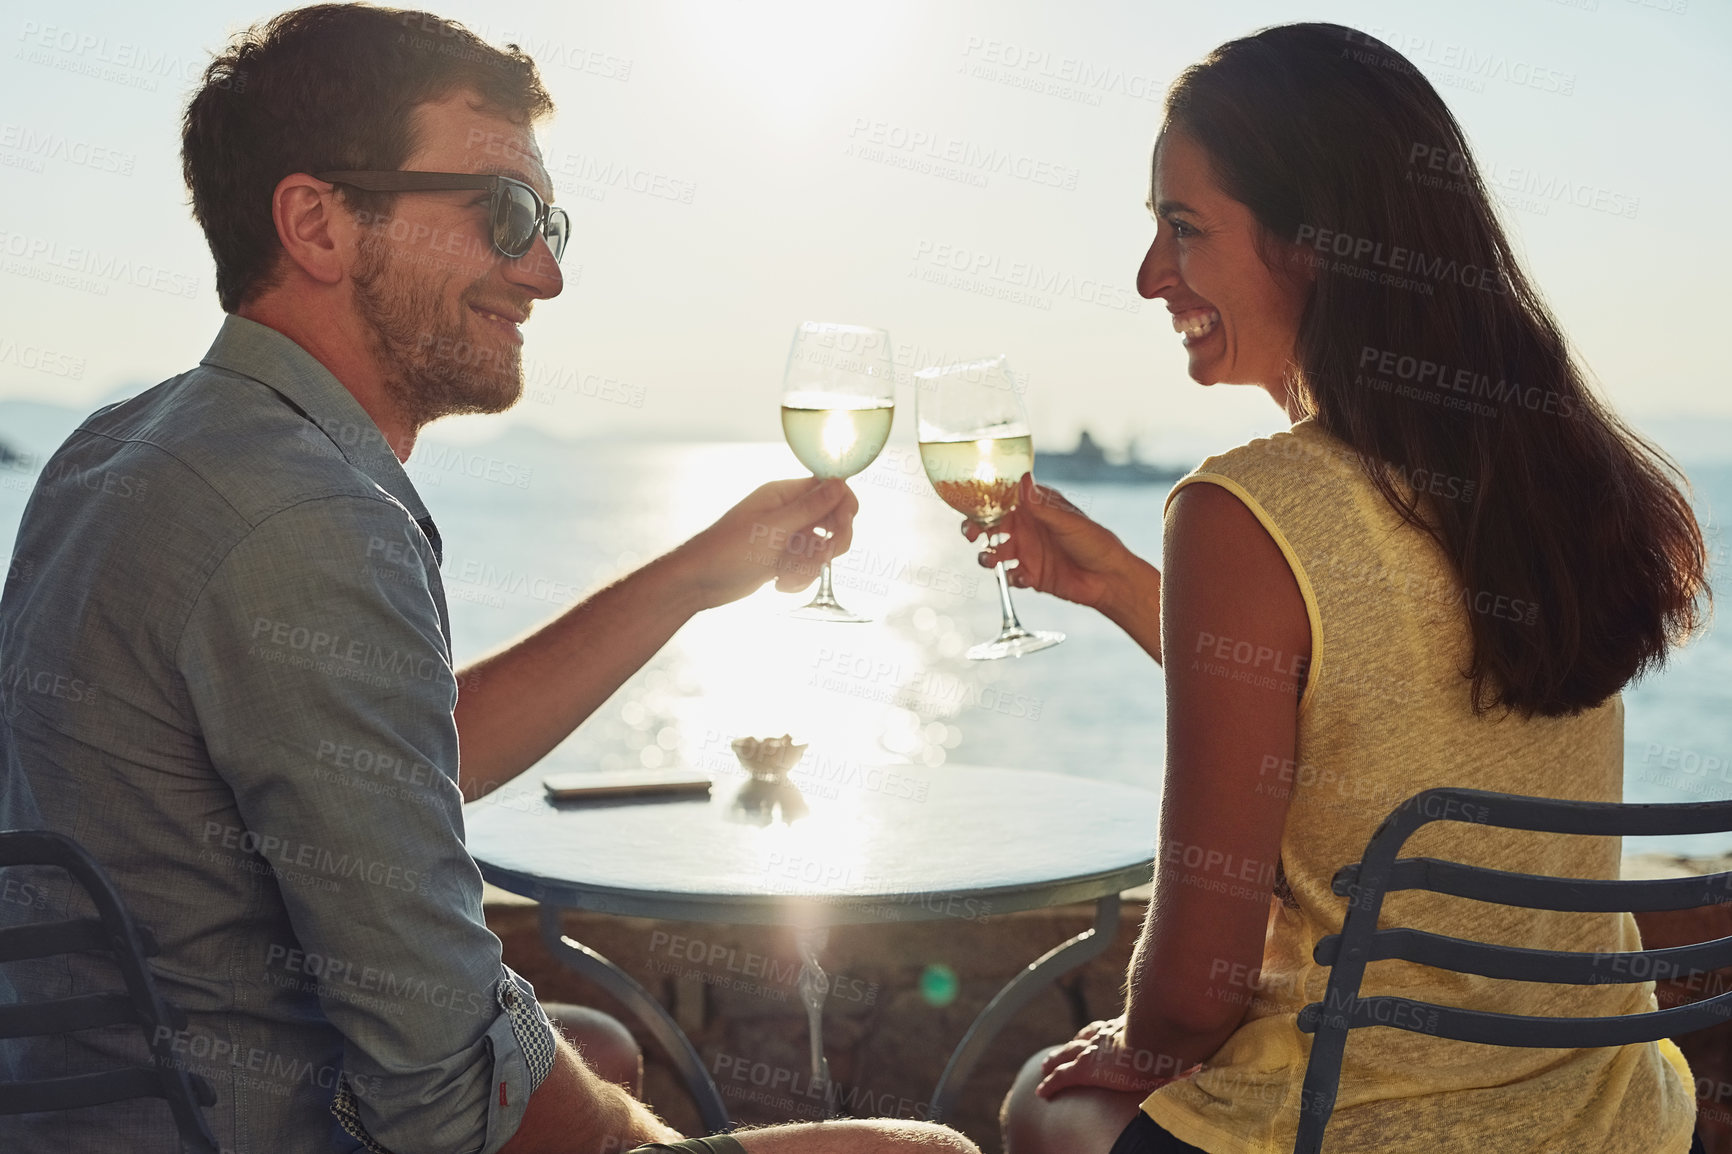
column 48, row 938
column 77, row 1091
column 1379, row 872
column 64, row 1015
column 1674, row 964
column 1553, row 815
column 1539, row 1033
column 1583, row 895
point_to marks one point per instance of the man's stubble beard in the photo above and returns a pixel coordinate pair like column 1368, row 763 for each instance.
column 432, row 368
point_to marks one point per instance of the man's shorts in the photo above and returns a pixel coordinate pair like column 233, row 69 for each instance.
column 714, row 1144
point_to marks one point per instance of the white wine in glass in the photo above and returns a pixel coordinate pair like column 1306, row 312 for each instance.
column 979, row 478
column 831, row 441
column 838, row 399
column 976, row 449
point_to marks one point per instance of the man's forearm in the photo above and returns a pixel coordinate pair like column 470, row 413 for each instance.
column 575, row 1112
column 518, row 703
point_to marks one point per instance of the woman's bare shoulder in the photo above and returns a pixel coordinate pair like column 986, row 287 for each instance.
column 1223, row 569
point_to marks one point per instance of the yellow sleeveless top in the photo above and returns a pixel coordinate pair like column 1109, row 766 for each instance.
column 1385, row 713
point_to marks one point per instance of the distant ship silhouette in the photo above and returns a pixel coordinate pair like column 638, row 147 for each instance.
column 1088, row 462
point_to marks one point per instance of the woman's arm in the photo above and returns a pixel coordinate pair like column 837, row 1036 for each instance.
column 1236, row 640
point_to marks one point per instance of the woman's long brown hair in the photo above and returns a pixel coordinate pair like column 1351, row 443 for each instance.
column 1425, row 348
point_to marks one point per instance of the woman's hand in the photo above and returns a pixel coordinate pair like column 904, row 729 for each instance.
column 1059, row 550
column 1098, row 1056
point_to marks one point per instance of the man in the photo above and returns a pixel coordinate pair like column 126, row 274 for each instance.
column 237, row 586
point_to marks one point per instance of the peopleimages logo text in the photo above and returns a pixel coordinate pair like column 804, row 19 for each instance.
column 103, row 266
column 1400, row 259
column 1466, row 381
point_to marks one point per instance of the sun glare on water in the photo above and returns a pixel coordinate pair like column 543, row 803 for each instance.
column 750, row 670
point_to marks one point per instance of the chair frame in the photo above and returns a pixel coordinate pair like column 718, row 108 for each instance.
column 113, row 930
column 1380, row 872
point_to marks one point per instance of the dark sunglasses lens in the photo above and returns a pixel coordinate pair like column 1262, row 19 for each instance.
column 558, row 231
column 514, row 221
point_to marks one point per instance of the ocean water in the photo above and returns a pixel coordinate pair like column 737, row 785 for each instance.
column 532, row 523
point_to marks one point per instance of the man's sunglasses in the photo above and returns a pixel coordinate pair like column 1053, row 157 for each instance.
column 517, row 211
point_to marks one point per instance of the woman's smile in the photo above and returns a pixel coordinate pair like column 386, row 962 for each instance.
column 1196, row 324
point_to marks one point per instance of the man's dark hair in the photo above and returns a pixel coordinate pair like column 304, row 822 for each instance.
column 328, row 87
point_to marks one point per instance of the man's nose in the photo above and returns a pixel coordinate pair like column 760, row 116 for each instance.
column 536, row 271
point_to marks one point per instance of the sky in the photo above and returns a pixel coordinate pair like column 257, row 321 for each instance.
column 733, row 168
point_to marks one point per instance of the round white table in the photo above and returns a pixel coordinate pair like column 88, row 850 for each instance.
column 893, row 843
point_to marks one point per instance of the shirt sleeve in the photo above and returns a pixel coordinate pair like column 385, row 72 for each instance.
column 317, row 669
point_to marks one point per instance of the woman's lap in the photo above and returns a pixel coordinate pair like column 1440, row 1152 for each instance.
column 1145, row 1136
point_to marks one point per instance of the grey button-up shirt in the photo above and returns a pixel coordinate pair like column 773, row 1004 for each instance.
column 225, row 669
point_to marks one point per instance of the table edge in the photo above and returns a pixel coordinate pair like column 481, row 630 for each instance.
column 818, row 908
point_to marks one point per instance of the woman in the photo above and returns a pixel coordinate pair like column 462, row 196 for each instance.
column 1441, row 575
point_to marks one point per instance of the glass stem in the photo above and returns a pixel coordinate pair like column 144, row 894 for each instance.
column 1011, row 624
column 826, row 594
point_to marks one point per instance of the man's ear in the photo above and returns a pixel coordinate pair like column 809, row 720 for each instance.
column 313, row 227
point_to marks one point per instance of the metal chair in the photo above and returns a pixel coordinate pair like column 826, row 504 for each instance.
column 1379, row 872
column 113, row 930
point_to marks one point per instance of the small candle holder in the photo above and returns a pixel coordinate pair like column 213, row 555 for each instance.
column 768, row 797
column 768, row 759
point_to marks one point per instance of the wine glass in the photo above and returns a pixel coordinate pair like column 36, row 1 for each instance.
column 975, row 445
column 838, row 397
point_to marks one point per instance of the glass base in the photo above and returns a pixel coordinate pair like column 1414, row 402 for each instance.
column 1014, row 643
column 827, row 609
